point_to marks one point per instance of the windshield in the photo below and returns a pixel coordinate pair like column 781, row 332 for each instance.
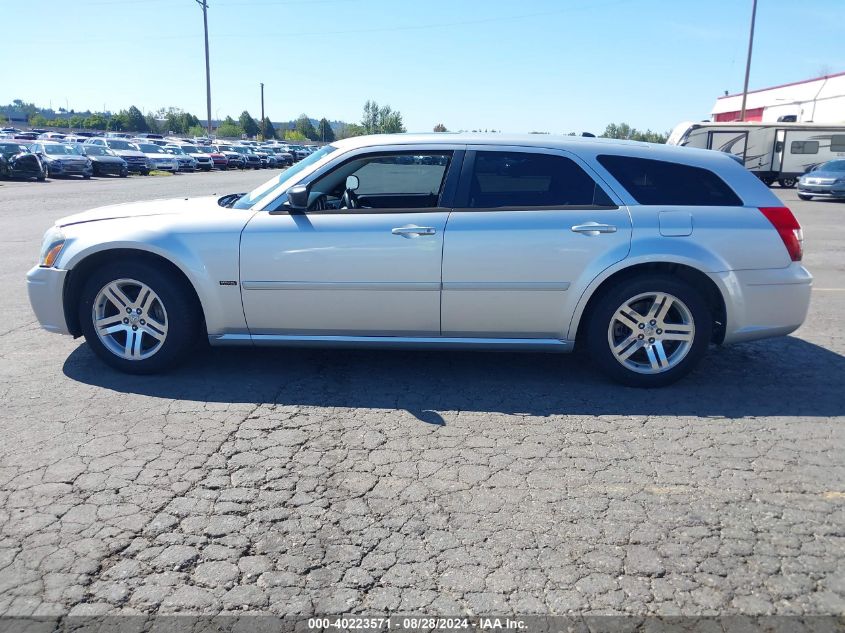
column 61, row 150
column 204, row 149
column 272, row 187
column 14, row 148
column 175, row 150
column 833, row 165
column 190, row 149
column 95, row 150
column 240, row 149
column 120, row 144
column 149, row 148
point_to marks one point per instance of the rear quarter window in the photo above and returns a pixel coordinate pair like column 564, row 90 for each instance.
column 664, row 183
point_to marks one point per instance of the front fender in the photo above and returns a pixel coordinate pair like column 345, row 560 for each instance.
column 206, row 259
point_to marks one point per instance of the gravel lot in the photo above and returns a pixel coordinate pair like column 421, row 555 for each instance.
column 299, row 482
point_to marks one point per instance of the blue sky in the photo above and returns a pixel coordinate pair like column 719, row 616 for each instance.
column 544, row 65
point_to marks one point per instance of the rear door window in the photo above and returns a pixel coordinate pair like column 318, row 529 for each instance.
column 531, row 180
column 665, row 183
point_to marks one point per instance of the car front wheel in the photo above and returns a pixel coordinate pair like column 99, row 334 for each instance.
column 649, row 331
column 137, row 318
column 804, row 196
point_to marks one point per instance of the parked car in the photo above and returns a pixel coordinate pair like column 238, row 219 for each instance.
column 824, row 181
column 158, row 157
column 203, row 159
column 105, row 162
column 219, row 161
column 62, row 159
column 16, row 161
column 51, row 136
column 284, row 158
column 135, row 159
column 185, row 161
column 267, row 158
column 251, row 159
column 642, row 254
column 25, row 136
column 235, row 158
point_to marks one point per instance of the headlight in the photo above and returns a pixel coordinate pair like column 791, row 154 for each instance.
column 51, row 246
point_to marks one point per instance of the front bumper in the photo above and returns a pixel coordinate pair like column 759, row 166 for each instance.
column 822, row 191
column 764, row 303
column 45, row 287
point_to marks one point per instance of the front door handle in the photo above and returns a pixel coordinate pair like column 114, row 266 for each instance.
column 413, row 231
column 593, row 228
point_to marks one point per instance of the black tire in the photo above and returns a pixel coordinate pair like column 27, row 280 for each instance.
column 145, row 172
column 787, row 183
column 602, row 314
column 86, row 176
column 42, row 177
column 805, row 197
column 124, row 173
column 179, row 301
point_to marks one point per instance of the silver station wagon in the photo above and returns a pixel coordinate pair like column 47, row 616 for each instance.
column 643, row 255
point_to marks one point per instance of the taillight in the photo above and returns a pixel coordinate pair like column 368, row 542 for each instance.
column 788, row 229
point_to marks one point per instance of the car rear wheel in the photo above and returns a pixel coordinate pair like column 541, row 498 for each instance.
column 787, row 183
column 649, row 331
column 137, row 318
column 804, row 196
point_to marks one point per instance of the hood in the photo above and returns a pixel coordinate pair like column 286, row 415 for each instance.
column 825, row 174
column 175, row 206
column 106, row 159
column 128, row 152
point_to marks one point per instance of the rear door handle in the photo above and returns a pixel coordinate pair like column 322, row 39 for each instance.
column 593, row 228
column 412, row 231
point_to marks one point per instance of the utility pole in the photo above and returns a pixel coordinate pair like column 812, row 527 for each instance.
column 204, row 5
column 263, row 125
column 748, row 62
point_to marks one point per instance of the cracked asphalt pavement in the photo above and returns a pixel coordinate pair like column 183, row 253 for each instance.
column 302, row 482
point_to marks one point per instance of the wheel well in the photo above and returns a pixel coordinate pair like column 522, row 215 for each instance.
column 79, row 274
column 696, row 278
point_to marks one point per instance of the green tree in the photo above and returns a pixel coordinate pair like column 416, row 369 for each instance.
column 196, row 130
column 304, row 126
column 381, row 120
column 294, row 135
column 230, row 129
column 75, row 121
column 440, row 128
column 248, row 124
column 325, row 132
column 152, row 124
column 37, row 120
column 134, row 121
column 95, row 122
column 349, row 130
column 267, row 129
column 625, row 131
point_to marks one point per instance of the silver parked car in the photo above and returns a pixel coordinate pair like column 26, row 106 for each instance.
column 641, row 254
column 824, row 181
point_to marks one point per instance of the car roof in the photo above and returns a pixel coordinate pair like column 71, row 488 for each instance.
column 576, row 144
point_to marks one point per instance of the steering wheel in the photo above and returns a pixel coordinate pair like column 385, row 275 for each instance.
column 349, row 200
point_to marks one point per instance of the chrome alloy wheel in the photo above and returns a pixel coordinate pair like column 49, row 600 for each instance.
column 651, row 333
column 129, row 319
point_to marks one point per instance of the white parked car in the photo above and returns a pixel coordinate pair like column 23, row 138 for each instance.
column 642, row 254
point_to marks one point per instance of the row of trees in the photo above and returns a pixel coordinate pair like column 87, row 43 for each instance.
column 625, row 131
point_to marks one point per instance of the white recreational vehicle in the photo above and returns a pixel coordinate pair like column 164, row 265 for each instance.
column 773, row 151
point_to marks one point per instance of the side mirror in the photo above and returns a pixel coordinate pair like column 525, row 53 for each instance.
column 298, row 197
column 352, row 183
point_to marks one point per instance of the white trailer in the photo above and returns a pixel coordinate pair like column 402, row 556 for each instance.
column 773, row 151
